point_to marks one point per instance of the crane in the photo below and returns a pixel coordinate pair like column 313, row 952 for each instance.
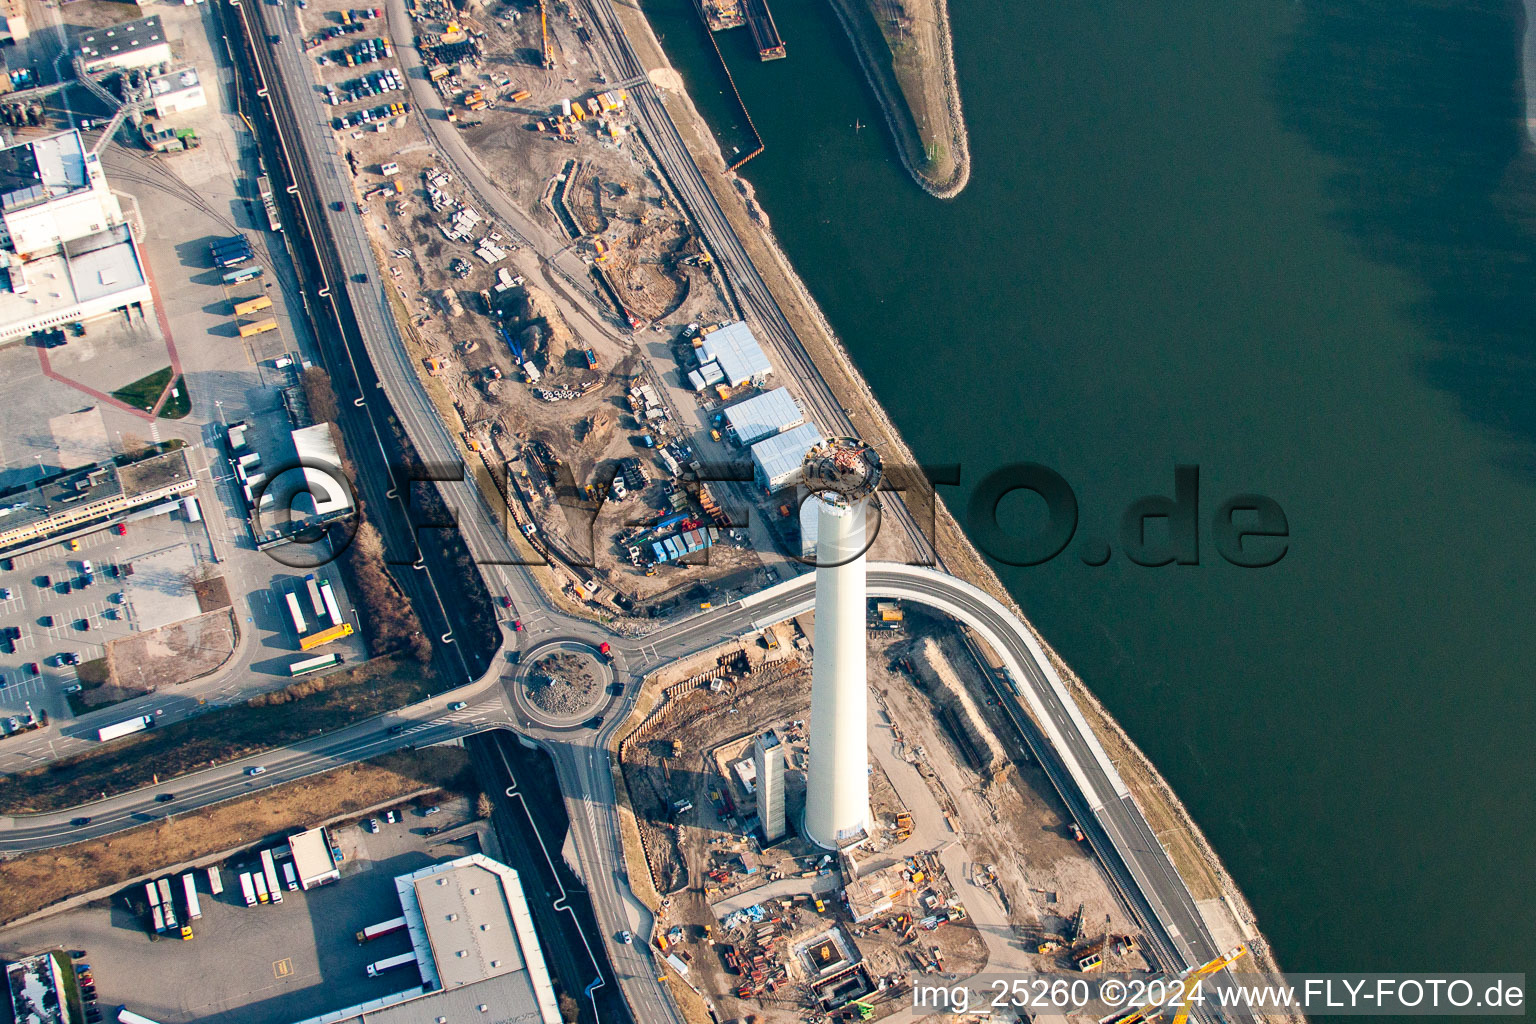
column 1194, row 976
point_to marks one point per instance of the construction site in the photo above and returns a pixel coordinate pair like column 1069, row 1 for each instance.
column 971, row 860
column 587, row 385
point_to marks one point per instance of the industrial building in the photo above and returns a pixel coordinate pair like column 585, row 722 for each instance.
column 731, row 356
column 176, row 91
column 776, row 460
column 133, row 44
column 313, row 860
column 37, row 986
column 475, row 951
column 67, row 257
column 768, row 761
column 91, row 496
column 309, row 488
column 764, row 415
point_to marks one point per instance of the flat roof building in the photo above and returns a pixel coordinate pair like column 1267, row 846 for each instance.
column 133, row 44
column 176, row 91
column 776, row 460
column 71, row 258
column 313, row 860
column 52, row 191
column 476, row 950
column 91, row 495
column 764, row 415
column 730, row 356
column 36, row 985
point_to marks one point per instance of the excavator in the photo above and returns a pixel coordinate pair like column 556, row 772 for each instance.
column 1154, row 1011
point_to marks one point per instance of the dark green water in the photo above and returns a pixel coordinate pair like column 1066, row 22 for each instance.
column 1291, row 243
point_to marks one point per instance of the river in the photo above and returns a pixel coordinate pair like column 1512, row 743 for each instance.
column 1289, row 243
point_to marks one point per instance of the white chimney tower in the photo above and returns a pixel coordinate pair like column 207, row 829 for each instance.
column 841, row 474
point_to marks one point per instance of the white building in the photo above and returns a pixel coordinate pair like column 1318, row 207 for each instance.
column 51, row 192
column 768, row 759
column 730, row 356
column 776, row 460
column 313, row 860
column 133, row 44
column 67, row 256
column 764, row 415
column 177, row 91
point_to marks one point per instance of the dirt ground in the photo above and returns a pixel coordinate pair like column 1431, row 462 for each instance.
column 33, row 881
column 171, row 654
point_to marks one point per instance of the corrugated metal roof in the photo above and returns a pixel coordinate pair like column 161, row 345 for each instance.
column 777, row 456
column 737, row 352
column 764, row 415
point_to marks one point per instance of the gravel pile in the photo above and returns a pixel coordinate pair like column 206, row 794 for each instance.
column 563, row 684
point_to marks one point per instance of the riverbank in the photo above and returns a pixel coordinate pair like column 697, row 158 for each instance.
column 911, row 70
column 1220, row 900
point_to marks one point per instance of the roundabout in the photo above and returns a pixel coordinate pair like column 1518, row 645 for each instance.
column 561, row 684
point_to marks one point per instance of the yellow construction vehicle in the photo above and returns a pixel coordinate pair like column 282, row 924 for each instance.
column 1192, row 977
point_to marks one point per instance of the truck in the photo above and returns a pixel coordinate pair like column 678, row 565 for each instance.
column 295, row 614
column 260, row 882
column 127, row 1016
column 194, row 909
column 381, row 929
column 167, row 904
column 153, row 893
column 248, row 888
column 128, row 728
column 314, row 595
column 378, row 968
column 215, row 881
column 269, row 871
column 332, row 609
column 290, row 876
column 157, row 919
column 325, row 636
column 190, row 507
column 255, row 305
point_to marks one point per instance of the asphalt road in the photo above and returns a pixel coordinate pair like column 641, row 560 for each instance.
column 425, row 723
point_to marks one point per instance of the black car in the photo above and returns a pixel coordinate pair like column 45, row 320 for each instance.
column 338, row 206
column 80, row 822
column 66, row 587
column 165, row 798
column 77, row 954
column 396, row 730
column 45, row 582
column 46, row 620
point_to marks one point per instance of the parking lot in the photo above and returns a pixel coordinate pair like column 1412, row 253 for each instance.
column 61, row 612
column 267, row 964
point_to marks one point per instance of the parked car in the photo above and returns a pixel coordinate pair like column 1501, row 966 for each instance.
column 121, row 529
column 389, row 817
column 32, row 668
column 73, row 688
column 5, row 593
column 46, row 621
column 431, row 811
column 373, row 824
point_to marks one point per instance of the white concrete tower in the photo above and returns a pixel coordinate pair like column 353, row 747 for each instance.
column 841, row 474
